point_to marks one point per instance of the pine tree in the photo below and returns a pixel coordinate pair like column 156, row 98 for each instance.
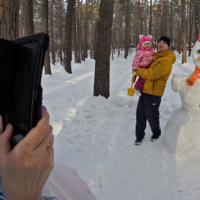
column 9, row 19
column 52, row 33
column 45, row 30
column 184, row 37
column 102, row 65
column 126, row 40
column 68, row 36
column 28, row 10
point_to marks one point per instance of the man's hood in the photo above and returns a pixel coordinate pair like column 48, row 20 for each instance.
column 168, row 53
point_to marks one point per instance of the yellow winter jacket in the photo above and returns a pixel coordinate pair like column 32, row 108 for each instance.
column 157, row 74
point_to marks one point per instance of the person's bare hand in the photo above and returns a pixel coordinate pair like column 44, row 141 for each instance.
column 134, row 70
column 25, row 170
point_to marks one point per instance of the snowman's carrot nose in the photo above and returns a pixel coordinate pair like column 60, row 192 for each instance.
column 199, row 58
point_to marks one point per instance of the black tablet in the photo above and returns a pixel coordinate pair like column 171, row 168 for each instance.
column 20, row 82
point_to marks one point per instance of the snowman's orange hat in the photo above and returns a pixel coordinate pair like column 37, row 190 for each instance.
column 198, row 38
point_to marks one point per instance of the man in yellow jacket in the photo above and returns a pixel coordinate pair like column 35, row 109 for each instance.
column 156, row 77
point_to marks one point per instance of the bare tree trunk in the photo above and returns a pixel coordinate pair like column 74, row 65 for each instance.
column 42, row 15
column 171, row 26
column 150, row 20
column 45, row 18
column 9, row 19
column 68, row 36
column 22, row 19
column 180, row 39
column 156, row 37
column 115, row 27
column 165, row 19
column 140, row 17
column 78, row 32
column 179, row 36
column 85, row 31
column 52, row 34
column 145, row 23
column 29, row 17
column 60, row 43
column 80, row 35
column 190, row 30
column 135, row 25
column 184, row 33
column 96, row 29
column 56, row 24
column 120, row 21
column 75, row 37
column 130, row 31
column 198, row 8
column 197, row 20
column 126, row 30
column 91, row 30
column 138, row 24
column 161, row 24
column 102, row 65
column 195, row 29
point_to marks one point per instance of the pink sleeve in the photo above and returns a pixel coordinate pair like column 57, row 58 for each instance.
column 64, row 182
column 136, row 60
column 139, row 46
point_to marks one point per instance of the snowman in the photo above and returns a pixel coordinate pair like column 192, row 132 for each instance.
column 196, row 59
column 182, row 132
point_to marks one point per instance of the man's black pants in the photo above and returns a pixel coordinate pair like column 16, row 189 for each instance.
column 148, row 109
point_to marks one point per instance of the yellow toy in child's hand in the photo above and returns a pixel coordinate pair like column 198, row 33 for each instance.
column 130, row 90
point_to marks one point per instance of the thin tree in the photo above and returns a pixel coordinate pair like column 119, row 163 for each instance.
column 78, row 31
column 138, row 23
column 165, row 19
column 60, row 43
column 126, row 40
column 75, row 48
column 86, row 31
column 68, row 36
column 120, row 27
column 96, row 29
column 184, row 33
column 45, row 30
column 150, row 20
column 198, row 8
column 190, row 29
column 161, row 20
column 91, row 29
column 29, row 26
column 22, row 19
column 139, row 18
column 171, row 26
column 156, row 26
column 102, row 65
column 197, row 22
column 52, row 33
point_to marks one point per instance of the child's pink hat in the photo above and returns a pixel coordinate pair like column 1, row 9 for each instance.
column 145, row 39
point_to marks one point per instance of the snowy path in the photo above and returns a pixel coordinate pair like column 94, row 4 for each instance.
column 96, row 136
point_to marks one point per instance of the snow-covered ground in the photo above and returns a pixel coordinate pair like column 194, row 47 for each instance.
column 96, row 136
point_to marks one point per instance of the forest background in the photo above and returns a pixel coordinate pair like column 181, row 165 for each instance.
column 99, row 28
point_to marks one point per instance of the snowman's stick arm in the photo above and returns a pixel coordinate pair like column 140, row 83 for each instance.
column 193, row 77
